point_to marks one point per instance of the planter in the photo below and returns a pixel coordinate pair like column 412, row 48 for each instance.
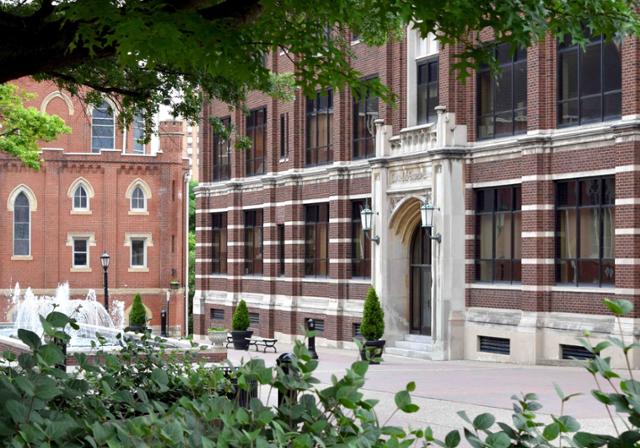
column 218, row 338
column 240, row 339
column 174, row 285
column 374, row 349
column 136, row 328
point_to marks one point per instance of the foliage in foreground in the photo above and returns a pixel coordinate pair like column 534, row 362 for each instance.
column 147, row 397
column 22, row 127
column 372, row 326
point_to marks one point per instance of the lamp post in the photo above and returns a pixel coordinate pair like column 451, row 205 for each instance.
column 426, row 215
column 366, row 219
column 104, row 261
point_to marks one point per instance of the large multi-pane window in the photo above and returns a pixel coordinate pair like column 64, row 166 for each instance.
column 219, row 243
column 427, row 91
column 319, row 114
column 21, row 225
column 316, row 240
column 502, row 96
column 360, row 245
column 585, row 230
column 365, row 112
column 257, row 133
column 281, row 251
column 253, row 252
column 80, row 252
column 284, row 135
column 138, row 252
column 102, row 128
column 589, row 81
column 221, row 153
column 498, row 234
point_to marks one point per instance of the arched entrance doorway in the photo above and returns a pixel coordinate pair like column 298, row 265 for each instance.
column 420, row 281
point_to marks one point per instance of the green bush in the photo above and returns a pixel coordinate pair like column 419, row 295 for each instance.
column 240, row 320
column 137, row 315
column 372, row 326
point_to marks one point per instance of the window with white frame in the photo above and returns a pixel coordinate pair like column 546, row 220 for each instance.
column 80, row 198
column 138, row 252
column 21, row 225
column 138, row 201
column 138, row 134
column 102, row 128
column 80, row 252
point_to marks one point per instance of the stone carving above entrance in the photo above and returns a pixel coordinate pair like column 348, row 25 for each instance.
column 409, row 174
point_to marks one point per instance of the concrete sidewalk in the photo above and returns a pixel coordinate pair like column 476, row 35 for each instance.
column 445, row 387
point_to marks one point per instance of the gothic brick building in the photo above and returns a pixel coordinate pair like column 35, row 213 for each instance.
column 534, row 173
column 99, row 189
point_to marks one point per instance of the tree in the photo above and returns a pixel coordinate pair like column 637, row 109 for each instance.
column 137, row 315
column 240, row 320
column 143, row 51
column 372, row 326
column 21, row 127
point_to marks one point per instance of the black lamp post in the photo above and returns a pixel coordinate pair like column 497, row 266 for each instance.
column 104, row 261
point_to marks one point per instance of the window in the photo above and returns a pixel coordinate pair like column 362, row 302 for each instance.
column 138, row 134
column 257, row 132
column 254, row 319
column 219, row 243
column 318, row 149
column 427, row 91
column 137, row 199
column 102, row 128
column 360, row 245
column 502, row 96
column 284, row 135
column 80, row 252
column 281, row 246
column 498, row 234
column 80, row 198
column 216, row 313
column 253, row 242
column 316, row 240
column 365, row 112
column 21, row 225
column 589, row 82
column 585, row 226
column 222, row 153
column 138, row 252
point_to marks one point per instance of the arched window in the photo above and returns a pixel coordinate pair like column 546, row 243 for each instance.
column 102, row 128
column 21, row 225
column 80, row 198
column 138, row 199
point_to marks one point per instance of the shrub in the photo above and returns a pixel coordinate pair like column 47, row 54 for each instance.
column 240, row 320
column 137, row 315
column 372, row 326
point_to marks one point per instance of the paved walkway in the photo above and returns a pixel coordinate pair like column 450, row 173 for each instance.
column 443, row 388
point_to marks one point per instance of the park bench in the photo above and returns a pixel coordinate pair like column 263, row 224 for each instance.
column 263, row 342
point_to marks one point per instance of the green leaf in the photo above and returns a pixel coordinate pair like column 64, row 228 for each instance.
column 360, row 367
column 551, row 431
column 452, row 440
column 17, row 411
column 58, row 319
column 24, row 385
column 568, row 423
column 51, row 355
column 160, row 377
column 619, row 307
column 498, row 440
column 587, row 440
column 483, row 421
column 402, row 399
column 29, row 338
column 411, row 387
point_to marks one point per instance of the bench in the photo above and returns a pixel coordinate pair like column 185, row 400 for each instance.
column 229, row 340
column 264, row 342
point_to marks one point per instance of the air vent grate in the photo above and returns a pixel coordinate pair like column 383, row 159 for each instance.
column 500, row 346
column 254, row 318
column 575, row 352
column 217, row 314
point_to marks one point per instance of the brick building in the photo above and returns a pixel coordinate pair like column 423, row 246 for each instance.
column 98, row 189
column 534, row 174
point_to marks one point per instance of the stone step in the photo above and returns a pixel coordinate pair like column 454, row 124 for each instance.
column 416, row 346
column 420, row 338
column 406, row 353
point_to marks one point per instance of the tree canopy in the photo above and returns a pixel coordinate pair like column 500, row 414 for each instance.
column 143, row 52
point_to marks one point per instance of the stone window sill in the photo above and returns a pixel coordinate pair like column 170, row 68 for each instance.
column 138, row 213
column 80, row 269
column 21, row 257
column 139, row 269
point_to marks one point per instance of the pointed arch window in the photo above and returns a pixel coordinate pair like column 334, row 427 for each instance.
column 80, row 198
column 21, row 225
column 102, row 128
column 138, row 201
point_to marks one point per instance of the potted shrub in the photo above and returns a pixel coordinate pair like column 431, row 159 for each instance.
column 372, row 328
column 137, row 316
column 174, row 284
column 239, row 325
column 217, row 336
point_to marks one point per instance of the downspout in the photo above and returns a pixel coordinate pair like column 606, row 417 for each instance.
column 187, row 178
